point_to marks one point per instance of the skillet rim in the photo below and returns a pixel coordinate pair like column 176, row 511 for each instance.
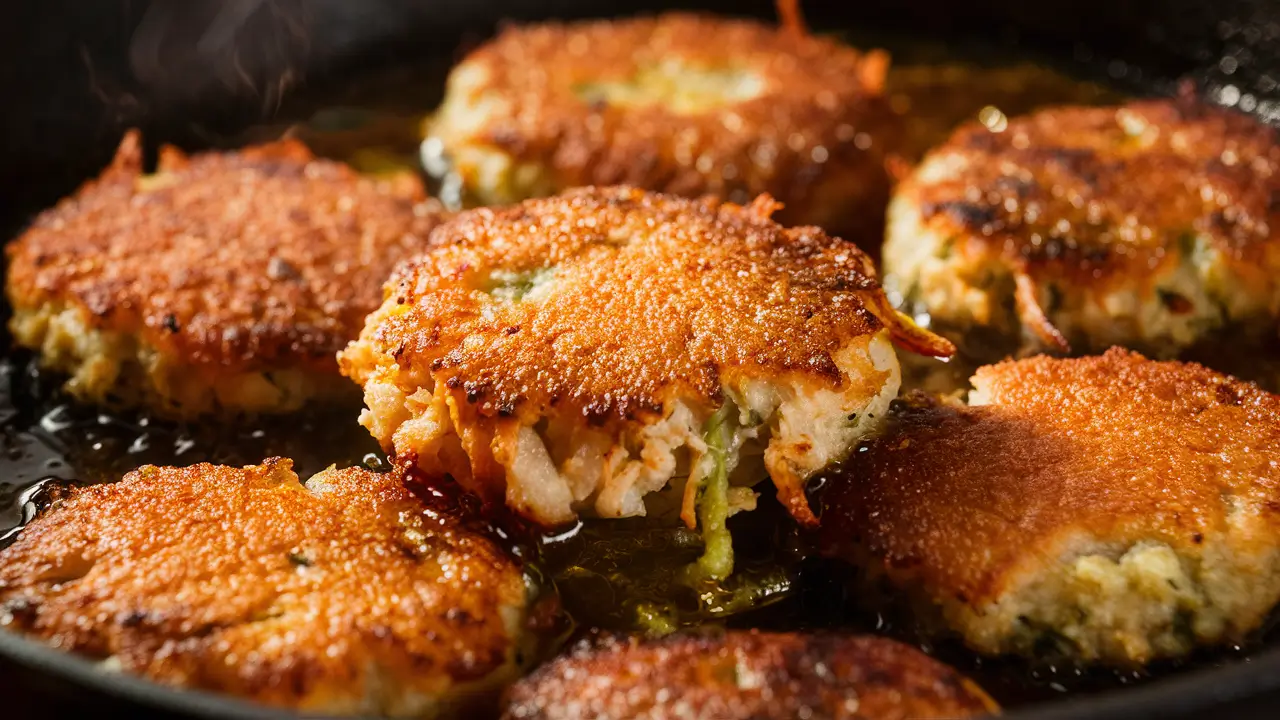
column 1181, row 694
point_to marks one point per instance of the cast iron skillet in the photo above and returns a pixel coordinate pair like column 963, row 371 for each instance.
column 71, row 79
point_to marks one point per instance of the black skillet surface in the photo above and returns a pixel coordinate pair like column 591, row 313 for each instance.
column 74, row 74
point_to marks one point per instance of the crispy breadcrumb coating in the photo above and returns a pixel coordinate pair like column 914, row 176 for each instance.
column 740, row 674
column 1152, row 225
column 1114, row 509
column 567, row 354
column 224, row 282
column 346, row 596
column 680, row 103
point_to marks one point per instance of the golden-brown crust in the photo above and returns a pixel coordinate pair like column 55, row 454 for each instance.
column 653, row 297
column 260, row 259
column 243, row 581
column 746, row 675
column 1096, row 197
column 1114, row 447
column 821, row 116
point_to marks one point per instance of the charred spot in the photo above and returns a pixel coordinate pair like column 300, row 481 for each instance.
column 822, row 364
column 1227, row 395
column 712, row 374
column 1219, row 220
column 597, row 412
column 1072, row 157
column 1086, row 256
column 134, row 618
column 1197, row 538
column 408, row 549
column 170, row 323
column 511, row 330
column 207, row 629
column 280, row 269
column 453, row 382
column 507, row 409
column 966, row 213
column 1175, row 303
column 458, row 616
column 473, row 391
column 855, row 280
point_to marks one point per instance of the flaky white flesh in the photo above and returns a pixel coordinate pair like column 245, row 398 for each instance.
column 788, row 428
column 1125, row 605
column 109, row 367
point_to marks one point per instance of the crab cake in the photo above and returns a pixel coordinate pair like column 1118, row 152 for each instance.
column 680, row 103
column 346, row 595
column 1152, row 225
column 580, row 352
column 746, row 675
column 1112, row 508
column 224, row 282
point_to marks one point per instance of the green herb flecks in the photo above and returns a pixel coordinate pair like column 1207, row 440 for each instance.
column 716, row 561
column 515, row 286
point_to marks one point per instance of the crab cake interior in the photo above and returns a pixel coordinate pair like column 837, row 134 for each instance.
column 1111, row 508
column 346, row 596
column 580, row 352
column 1149, row 225
column 225, row 281
column 742, row 674
column 679, row 103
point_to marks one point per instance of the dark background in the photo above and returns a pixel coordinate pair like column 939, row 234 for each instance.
column 75, row 73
